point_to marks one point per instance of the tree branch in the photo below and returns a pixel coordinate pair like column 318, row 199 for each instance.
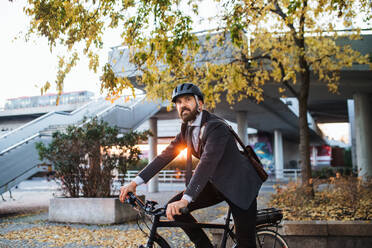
column 302, row 22
column 320, row 59
column 280, row 12
column 285, row 82
column 291, row 89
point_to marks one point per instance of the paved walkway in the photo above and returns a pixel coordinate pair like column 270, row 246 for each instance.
column 24, row 220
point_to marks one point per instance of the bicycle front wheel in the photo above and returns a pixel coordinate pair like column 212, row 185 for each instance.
column 160, row 242
column 270, row 239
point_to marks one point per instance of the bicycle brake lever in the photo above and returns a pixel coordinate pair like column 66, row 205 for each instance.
column 184, row 210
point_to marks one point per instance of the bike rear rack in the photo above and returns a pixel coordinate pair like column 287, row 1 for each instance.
column 269, row 216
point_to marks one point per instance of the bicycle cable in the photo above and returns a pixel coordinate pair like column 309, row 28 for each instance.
column 146, row 222
column 143, row 217
column 139, row 216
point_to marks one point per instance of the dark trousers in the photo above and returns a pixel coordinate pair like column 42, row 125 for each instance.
column 244, row 219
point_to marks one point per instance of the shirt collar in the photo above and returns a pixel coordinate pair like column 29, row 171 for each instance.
column 197, row 121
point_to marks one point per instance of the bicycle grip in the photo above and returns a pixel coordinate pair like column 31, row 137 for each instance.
column 131, row 199
column 184, row 210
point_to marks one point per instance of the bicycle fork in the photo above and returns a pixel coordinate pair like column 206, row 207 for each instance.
column 151, row 239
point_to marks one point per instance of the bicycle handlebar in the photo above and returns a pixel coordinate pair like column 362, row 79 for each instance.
column 149, row 206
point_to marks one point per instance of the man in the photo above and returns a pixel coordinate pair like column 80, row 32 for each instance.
column 222, row 174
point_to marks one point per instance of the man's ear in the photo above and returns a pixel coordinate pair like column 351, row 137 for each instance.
column 200, row 105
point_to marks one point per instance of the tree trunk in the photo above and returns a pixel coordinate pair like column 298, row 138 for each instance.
column 94, row 176
column 304, row 134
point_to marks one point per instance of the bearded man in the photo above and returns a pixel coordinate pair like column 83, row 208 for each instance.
column 222, row 174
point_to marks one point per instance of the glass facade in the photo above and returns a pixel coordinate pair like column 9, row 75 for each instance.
column 48, row 100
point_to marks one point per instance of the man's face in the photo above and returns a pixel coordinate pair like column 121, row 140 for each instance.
column 187, row 107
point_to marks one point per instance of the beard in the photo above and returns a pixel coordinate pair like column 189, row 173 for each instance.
column 188, row 115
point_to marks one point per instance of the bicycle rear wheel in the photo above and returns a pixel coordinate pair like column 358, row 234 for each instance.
column 270, row 239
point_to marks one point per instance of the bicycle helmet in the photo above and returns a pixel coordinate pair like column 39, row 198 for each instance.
column 187, row 88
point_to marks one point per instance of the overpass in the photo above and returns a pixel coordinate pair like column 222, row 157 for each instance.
column 280, row 116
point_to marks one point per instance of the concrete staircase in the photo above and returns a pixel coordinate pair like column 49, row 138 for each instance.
column 18, row 156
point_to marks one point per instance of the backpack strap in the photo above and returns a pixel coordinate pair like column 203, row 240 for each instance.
column 247, row 150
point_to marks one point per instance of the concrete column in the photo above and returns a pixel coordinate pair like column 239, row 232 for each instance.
column 278, row 154
column 363, row 121
column 242, row 121
column 153, row 184
column 352, row 139
column 314, row 155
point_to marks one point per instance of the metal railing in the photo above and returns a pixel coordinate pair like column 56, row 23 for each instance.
column 178, row 176
column 164, row 176
column 33, row 129
column 30, row 129
column 19, row 144
column 293, row 174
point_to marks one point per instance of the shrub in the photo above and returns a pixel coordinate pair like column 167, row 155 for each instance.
column 138, row 166
column 328, row 172
column 84, row 157
column 348, row 158
column 337, row 198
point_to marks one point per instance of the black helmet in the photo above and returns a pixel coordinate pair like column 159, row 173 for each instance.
column 187, row 88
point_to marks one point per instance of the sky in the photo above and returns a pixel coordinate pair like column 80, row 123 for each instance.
column 26, row 66
column 336, row 131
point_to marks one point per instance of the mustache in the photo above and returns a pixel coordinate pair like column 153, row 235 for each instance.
column 185, row 108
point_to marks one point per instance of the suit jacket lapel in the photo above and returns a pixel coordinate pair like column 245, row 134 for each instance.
column 183, row 131
column 189, row 155
column 205, row 117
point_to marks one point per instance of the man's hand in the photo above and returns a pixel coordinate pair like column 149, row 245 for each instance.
column 127, row 188
column 174, row 208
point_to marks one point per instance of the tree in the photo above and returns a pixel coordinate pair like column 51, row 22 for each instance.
column 84, row 157
column 290, row 41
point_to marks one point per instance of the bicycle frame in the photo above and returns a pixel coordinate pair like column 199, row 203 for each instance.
column 266, row 218
column 165, row 223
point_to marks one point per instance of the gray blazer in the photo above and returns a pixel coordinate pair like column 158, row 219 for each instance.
column 221, row 163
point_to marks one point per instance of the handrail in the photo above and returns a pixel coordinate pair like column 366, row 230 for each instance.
column 112, row 107
column 37, row 165
column 137, row 101
column 47, row 115
column 61, row 113
column 35, row 121
column 99, row 114
column 28, row 124
column 83, row 106
column 19, row 143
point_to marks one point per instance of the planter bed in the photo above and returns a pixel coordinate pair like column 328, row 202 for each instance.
column 328, row 234
column 90, row 210
column 320, row 234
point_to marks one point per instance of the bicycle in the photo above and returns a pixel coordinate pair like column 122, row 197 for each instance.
column 267, row 224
